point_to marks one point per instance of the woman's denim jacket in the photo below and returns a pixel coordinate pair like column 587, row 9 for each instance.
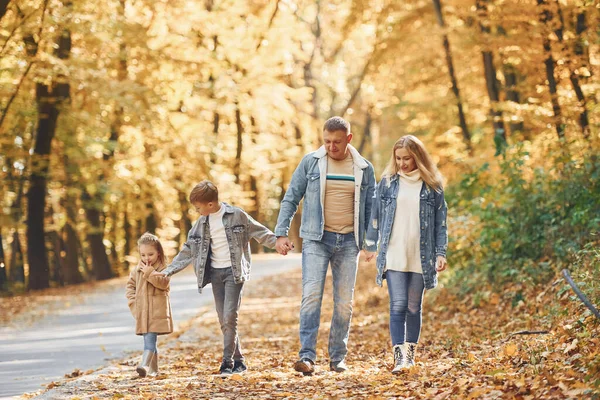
column 239, row 229
column 432, row 216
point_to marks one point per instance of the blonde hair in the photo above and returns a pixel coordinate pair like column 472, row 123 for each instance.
column 150, row 239
column 204, row 192
column 429, row 172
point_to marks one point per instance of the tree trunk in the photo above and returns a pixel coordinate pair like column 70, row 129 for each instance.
column 437, row 5
column 95, row 237
column 492, row 86
column 3, row 7
column 71, row 274
column 298, row 132
column 216, row 121
column 185, row 224
column 255, row 247
column 491, row 81
column 48, row 98
column 139, row 229
column 581, row 47
column 545, row 19
column 17, row 263
column 308, row 73
column 579, row 60
column 216, row 117
column 94, row 205
column 127, row 232
column 512, row 94
column 238, row 154
column 151, row 222
column 3, row 277
column 57, row 257
column 366, row 132
column 114, row 256
column 294, row 232
column 571, row 63
column 584, row 121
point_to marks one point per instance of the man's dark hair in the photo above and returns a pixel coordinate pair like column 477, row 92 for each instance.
column 337, row 124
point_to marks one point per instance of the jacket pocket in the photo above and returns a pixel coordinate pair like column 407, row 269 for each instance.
column 131, row 304
column 195, row 245
column 239, row 234
column 160, row 306
column 238, row 229
column 314, row 182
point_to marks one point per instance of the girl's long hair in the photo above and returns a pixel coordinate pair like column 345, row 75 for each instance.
column 150, row 239
column 429, row 172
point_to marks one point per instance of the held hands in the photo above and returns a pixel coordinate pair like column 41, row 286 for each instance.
column 441, row 263
column 369, row 255
column 283, row 245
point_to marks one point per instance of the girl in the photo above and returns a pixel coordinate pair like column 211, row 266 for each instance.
column 148, row 299
column 408, row 224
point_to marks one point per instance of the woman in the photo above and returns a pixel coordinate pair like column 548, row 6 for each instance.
column 408, row 225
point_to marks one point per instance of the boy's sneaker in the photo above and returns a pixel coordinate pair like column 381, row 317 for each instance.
column 239, row 367
column 226, row 369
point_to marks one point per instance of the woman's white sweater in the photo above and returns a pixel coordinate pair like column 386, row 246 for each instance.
column 404, row 252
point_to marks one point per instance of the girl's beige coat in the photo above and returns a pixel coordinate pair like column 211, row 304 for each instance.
column 148, row 300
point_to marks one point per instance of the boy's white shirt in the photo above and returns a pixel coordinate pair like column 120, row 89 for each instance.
column 220, row 256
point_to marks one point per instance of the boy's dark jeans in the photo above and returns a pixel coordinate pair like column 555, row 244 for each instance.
column 228, row 297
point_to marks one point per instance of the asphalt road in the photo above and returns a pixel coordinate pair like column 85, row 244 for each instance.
column 100, row 328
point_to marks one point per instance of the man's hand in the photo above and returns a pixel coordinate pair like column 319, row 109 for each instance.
column 283, row 245
column 369, row 255
column 441, row 263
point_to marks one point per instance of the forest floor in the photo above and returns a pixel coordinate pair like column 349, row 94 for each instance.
column 472, row 347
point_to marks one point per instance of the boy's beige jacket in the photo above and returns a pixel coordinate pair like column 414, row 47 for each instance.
column 148, row 299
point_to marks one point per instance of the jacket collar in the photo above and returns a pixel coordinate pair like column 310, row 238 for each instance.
column 358, row 160
column 227, row 209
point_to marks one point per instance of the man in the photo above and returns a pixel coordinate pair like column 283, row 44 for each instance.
column 337, row 185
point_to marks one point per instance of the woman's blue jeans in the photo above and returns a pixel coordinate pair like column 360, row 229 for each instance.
column 406, row 295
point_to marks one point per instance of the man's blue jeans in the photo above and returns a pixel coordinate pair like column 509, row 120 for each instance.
column 341, row 251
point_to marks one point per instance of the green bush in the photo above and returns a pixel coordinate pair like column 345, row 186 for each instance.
column 511, row 221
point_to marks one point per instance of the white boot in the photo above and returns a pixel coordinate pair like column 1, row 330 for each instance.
column 410, row 354
column 144, row 366
column 153, row 370
column 399, row 358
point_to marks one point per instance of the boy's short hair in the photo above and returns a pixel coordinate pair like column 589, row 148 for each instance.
column 204, row 192
column 334, row 124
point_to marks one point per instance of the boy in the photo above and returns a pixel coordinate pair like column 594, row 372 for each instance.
column 218, row 246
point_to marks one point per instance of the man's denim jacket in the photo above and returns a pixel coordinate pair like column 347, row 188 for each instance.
column 309, row 181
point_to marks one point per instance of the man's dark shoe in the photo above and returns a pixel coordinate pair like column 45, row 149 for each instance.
column 239, row 367
column 338, row 366
column 226, row 369
column 305, row 365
